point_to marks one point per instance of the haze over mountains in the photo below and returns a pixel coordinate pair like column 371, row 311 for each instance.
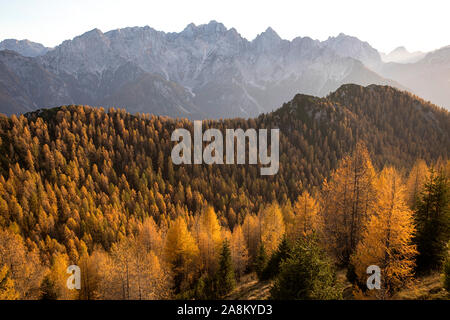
column 401, row 55
column 205, row 71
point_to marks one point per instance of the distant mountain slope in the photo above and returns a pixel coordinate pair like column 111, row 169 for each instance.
column 397, row 116
column 24, row 47
column 213, row 72
column 428, row 78
column 388, row 120
column 401, row 55
column 26, row 85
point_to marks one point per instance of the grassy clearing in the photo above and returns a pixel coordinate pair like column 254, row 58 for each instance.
column 424, row 288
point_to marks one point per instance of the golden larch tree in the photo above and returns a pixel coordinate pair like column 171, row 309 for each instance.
column 415, row 182
column 387, row 237
column 7, row 290
column 149, row 236
column 271, row 226
column 252, row 235
column 181, row 251
column 239, row 252
column 347, row 200
column 207, row 231
column 57, row 274
column 307, row 219
column 24, row 265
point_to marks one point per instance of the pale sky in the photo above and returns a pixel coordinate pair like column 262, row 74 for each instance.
column 385, row 24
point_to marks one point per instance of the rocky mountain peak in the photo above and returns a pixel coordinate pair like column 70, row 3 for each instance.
column 267, row 41
column 213, row 28
column 349, row 46
column 92, row 34
column 25, row 47
column 269, row 34
column 189, row 31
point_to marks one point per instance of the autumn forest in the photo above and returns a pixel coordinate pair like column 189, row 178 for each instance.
column 364, row 179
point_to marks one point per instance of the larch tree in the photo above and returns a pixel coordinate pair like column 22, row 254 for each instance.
column 132, row 272
column 90, row 276
column 24, row 266
column 57, row 277
column 387, row 239
column 110, row 284
column 150, row 236
column 149, row 278
column 307, row 219
column 272, row 227
column 120, row 269
column 347, row 201
column 208, row 234
column 289, row 219
column 181, row 252
column 415, row 182
column 239, row 252
column 252, row 235
column 7, row 290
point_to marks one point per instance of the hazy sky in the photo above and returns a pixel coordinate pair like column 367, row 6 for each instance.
column 385, row 24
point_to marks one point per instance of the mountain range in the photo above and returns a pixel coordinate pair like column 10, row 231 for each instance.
column 205, row 71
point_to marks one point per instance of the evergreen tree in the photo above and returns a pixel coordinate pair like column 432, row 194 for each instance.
column 205, row 288
column 306, row 274
column 273, row 265
column 48, row 289
column 432, row 218
column 260, row 261
column 200, row 289
column 225, row 275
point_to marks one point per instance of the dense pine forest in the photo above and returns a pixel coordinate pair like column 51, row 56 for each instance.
column 363, row 180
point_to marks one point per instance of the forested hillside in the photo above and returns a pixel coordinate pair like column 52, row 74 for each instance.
column 81, row 185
